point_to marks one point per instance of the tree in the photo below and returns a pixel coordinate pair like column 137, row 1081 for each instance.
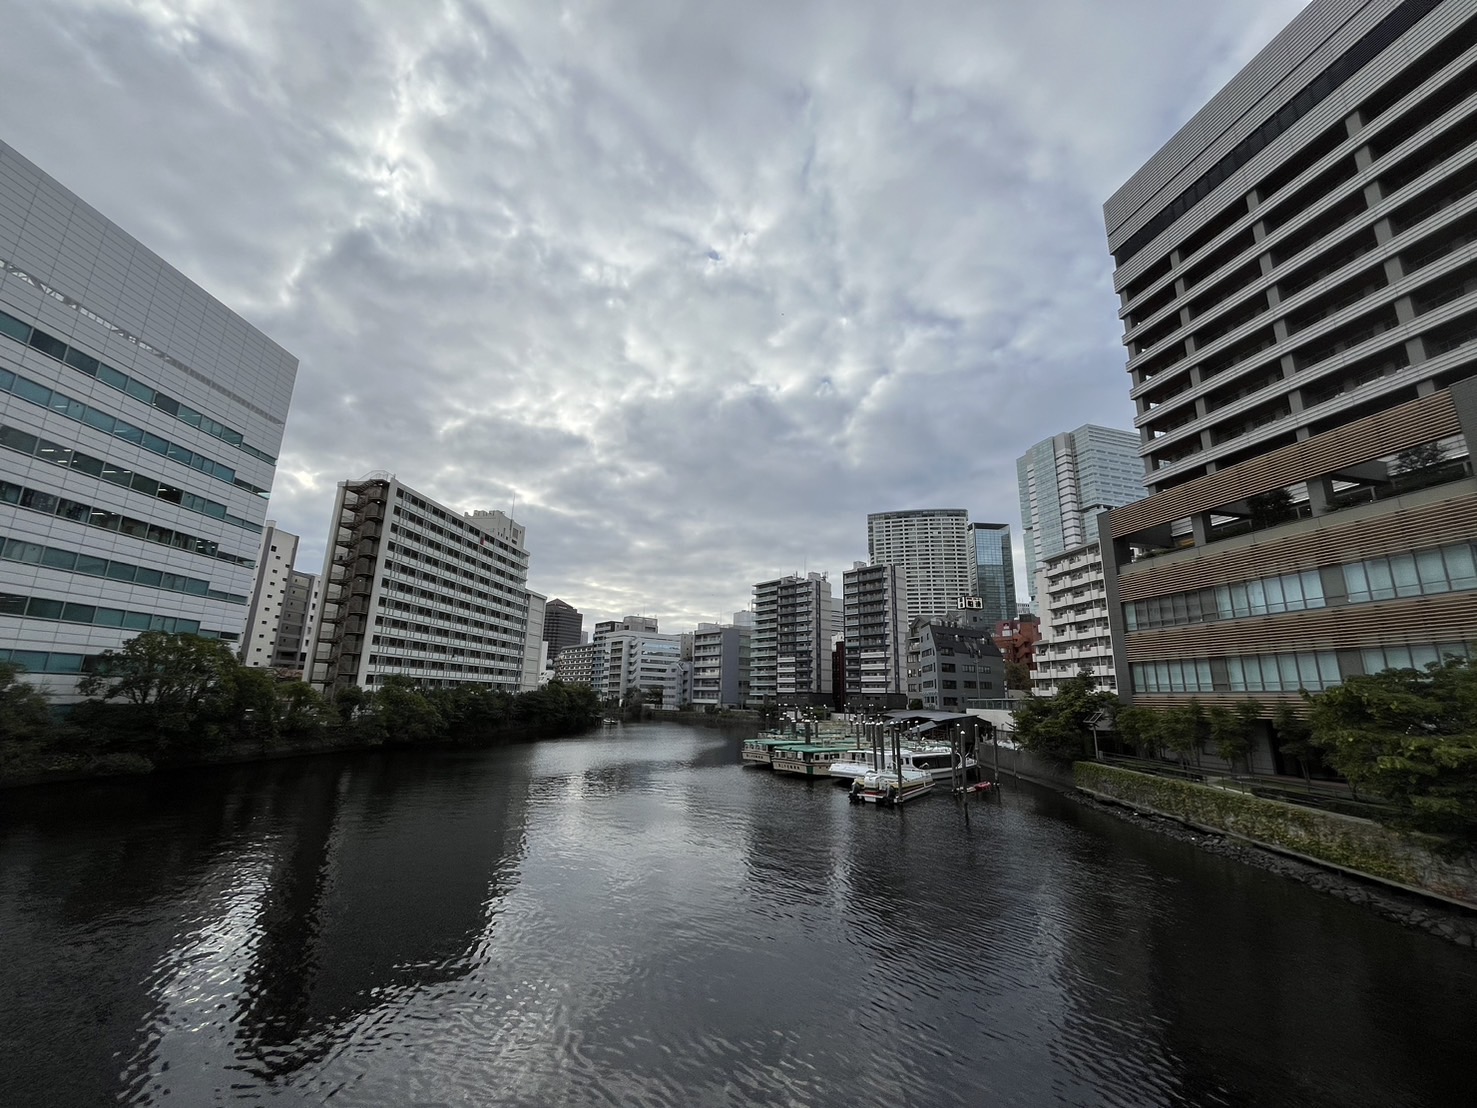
column 1142, row 729
column 1018, row 676
column 1184, row 730
column 172, row 682
column 25, row 715
column 1059, row 727
column 1413, row 459
column 404, row 714
column 1295, row 738
column 1269, row 508
column 1233, row 730
column 1410, row 737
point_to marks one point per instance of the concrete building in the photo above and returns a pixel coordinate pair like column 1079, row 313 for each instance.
column 949, row 665
column 649, row 662
column 1017, row 639
column 720, row 665
column 563, row 626
column 284, row 603
column 1075, row 634
column 575, row 665
column 413, row 588
column 608, row 686
column 994, row 571
column 1065, row 482
column 535, row 647
column 876, row 637
column 790, row 653
column 1297, row 269
column 935, row 548
column 140, row 421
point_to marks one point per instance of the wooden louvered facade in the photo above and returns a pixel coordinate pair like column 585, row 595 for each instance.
column 1406, row 425
column 1368, row 531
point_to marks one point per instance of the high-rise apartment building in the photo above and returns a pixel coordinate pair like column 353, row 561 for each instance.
column 1075, row 634
column 1065, row 482
column 1297, row 270
column 563, row 626
column 415, row 589
column 876, row 636
column 790, row 649
column 935, row 549
column 140, row 421
column 994, row 571
column 720, row 665
column 284, row 602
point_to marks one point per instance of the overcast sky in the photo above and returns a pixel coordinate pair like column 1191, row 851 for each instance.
column 691, row 287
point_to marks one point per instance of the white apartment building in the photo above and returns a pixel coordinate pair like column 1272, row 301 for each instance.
column 650, row 662
column 284, row 603
column 140, row 421
column 790, row 651
column 575, row 665
column 1075, row 633
column 416, row 589
column 935, row 548
column 535, row 649
column 876, row 635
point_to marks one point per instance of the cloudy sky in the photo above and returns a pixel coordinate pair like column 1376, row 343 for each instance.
column 690, row 286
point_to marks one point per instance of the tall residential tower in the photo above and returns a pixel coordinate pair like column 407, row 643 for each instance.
column 935, row 549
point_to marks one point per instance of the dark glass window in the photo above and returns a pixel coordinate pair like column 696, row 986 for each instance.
column 48, row 344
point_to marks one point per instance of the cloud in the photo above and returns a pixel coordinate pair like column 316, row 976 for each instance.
column 691, row 288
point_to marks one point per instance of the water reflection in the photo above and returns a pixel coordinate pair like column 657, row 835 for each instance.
column 635, row 918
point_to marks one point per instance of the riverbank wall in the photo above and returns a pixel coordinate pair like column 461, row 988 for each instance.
column 1410, row 861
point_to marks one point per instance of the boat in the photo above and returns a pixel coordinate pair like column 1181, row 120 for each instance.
column 759, row 751
column 891, row 787
column 806, row 759
column 937, row 761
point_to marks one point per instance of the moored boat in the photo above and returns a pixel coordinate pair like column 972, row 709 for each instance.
column 891, row 787
column 759, row 751
column 807, row 760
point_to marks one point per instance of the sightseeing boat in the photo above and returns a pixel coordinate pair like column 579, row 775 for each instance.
column 891, row 787
column 759, row 751
column 936, row 761
column 807, row 759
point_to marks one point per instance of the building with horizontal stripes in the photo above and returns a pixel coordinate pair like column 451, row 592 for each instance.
column 414, row 589
column 1297, row 269
column 935, row 548
column 140, row 421
column 284, row 604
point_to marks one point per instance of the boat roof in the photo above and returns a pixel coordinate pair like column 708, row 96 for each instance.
column 813, row 747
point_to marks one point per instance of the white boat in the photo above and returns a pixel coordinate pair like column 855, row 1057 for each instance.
column 891, row 787
column 936, row 761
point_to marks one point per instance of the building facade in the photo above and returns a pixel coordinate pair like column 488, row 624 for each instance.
column 414, row 589
column 535, row 647
column 575, row 665
column 140, row 421
column 720, row 666
column 876, row 635
column 790, row 656
column 1065, row 482
column 994, row 571
column 935, row 548
column 1297, row 271
column 564, row 625
column 1075, row 633
column 284, row 603
column 950, row 664
column 607, row 683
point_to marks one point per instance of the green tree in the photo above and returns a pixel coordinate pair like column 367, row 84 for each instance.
column 1184, row 730
column 173, row 684
column 1410, row 737
column 1058, row 727
column 1269, row 508
column 402, row 713
column 302, row 712
column 25, row 715
column 1233, row 730
column 1295, row 738
column 1018, row 676
column 1142, row 729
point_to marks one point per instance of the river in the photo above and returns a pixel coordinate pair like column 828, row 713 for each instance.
column 634, row 918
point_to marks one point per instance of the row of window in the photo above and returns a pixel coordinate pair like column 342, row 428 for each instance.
column 39, row 607
column 90, row 565
column 63, row 405
column 54, row 347
column 1283, row 673
column 1379, row 658
column 52, row 505
column 1293, row 592
column 459, row 575
column 1313, row 94
column 1428, row 572
column 54, row 453
column 458, row 529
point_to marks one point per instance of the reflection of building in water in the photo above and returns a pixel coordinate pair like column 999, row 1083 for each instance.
column 385, row 881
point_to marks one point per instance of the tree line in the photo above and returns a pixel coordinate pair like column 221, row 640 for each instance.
column 1405, row 736
column 178, row 699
